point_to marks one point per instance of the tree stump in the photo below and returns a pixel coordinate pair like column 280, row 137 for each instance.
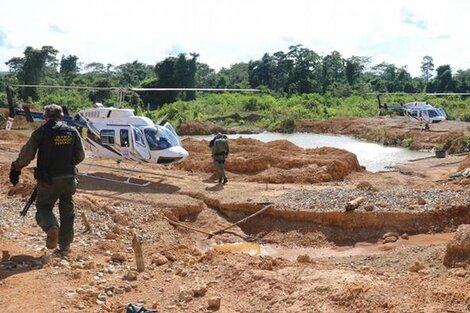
column 86, row 223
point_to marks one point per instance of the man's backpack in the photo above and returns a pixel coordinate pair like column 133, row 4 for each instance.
column 219, row 147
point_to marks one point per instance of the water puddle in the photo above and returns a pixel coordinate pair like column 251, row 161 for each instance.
column 360, row 248
column 374, row 157
column 246, row 247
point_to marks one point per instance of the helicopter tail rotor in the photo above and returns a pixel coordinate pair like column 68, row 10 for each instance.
column 27, row 114
column 379, row 102
column 11, row 108
column 11, row 105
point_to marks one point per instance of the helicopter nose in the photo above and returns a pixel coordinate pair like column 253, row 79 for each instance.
column 178, row 152
column 170, row 155
column 181, row 152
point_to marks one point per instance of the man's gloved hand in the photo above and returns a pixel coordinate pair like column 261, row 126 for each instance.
column 14, row 175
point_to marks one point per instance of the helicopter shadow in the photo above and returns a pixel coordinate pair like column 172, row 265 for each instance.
column 94, row 183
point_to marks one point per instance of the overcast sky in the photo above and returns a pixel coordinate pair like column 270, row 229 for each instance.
column 224, row 32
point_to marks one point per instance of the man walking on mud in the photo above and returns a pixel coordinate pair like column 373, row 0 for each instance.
column 220, row 151
column 60, row 149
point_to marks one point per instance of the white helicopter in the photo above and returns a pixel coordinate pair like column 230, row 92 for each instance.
column 418, row 111
column 118, row 134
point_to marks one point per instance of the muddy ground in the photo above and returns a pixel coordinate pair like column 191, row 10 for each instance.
column 305, row 253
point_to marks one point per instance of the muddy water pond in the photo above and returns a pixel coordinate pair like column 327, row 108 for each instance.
column 374, row 157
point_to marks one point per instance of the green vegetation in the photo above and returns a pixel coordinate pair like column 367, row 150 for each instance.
column 297, row 84
column 407, row 142
column 276, row 112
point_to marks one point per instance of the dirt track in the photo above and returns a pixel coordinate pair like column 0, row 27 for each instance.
column 315, row 256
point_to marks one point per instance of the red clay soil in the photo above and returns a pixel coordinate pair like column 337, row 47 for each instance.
column 199, row 128
column 12, row 137
column 301, row 269
column 464, row 164
column 276, row 162
column 24, row 188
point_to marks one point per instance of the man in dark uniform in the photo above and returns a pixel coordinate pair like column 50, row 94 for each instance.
column 59, row 149
column 220, row 150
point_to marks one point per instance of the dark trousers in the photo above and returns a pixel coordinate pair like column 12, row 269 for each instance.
column 220, row 166
column 61, row 189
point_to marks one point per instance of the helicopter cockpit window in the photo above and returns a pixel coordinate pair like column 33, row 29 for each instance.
column 157, row 138
column 441, row 112
column 124, row 136
column 138, row 136
column 107, row 136
column 433, row 113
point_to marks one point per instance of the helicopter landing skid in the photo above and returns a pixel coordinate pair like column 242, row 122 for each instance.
column 127, row 181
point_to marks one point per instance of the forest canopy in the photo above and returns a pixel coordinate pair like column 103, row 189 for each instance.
column 281, row 75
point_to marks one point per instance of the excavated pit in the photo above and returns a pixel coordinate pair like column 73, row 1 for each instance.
column 297, row 235
column 349, row 228
column 322, row 212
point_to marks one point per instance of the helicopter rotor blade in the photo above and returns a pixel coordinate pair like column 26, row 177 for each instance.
column 421, row 93
column 68, row 87
column 126, row 89
column 195, row 89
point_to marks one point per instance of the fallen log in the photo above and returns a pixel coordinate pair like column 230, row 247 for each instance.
column 241, row 221
column 185, row 226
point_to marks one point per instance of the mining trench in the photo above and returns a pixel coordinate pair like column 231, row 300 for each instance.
column 339, row 226
column 361, row 240
column 330, row 234
column 348, row 228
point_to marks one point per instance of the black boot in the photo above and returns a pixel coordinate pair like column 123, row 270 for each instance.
column 225, row 180
column 220, row 180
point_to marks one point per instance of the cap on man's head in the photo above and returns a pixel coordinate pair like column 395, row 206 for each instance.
column 53, row 111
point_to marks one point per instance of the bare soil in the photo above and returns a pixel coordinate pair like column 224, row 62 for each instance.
column 306, row 253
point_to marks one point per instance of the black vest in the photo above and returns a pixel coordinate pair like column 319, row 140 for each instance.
column 56, row 150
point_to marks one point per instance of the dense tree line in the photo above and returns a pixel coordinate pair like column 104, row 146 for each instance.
column 295, row 72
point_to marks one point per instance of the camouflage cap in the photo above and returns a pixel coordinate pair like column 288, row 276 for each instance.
column 53, row 111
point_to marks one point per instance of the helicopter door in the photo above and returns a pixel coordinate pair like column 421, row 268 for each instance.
column 140, row 146
column 425, row 116
column 125, row 142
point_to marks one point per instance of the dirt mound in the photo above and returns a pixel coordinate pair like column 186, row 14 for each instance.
column 278, row 161
column 12, row 136
column 199, row 128
column 24, row 188
column 458, row 249
column 464, row 164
